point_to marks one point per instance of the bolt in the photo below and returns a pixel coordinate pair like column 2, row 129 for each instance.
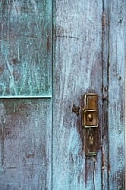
column 106, row 88
column 119, row 77
column 119, row 131
column 120, row 20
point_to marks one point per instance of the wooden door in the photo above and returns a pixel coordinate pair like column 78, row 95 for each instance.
column 90, row 52
column 41, row 141
column 25, row 94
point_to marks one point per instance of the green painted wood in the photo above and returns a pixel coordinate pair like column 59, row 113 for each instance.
column 117, row 57
column 25, row 94
column 25, row 47
column 89, row 56
column 25, row 144
column 77, row 69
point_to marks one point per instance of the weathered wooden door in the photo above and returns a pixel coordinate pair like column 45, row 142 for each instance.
column 90, row 52
column 51, row 54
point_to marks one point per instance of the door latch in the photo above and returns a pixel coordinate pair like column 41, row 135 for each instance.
column 89, row 123
column 90, row 111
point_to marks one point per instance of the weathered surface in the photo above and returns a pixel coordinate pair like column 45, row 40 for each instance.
column 25, row 144
column 77, row 69
column 117, row 62
column 89, row 56
column 104, row 131
column 25, row 71
column 125, row 127
column 25, row 47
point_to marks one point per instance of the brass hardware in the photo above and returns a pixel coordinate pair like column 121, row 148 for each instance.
column 91, row 140
column 90, row 117
column 90, row 112
column 75, row 109
column 90, row 123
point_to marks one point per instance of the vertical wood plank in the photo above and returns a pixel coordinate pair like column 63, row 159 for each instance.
column 77, row 70
column 117, row 61
column 25, row 144
column 125, row 126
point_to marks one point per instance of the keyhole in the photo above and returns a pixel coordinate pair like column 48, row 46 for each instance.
column 91, row 140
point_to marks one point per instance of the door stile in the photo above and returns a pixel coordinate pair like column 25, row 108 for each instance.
column 117, row 57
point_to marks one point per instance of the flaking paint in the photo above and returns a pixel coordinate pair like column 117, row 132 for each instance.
column 26, row 27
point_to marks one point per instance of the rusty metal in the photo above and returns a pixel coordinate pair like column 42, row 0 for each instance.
column 75, row 109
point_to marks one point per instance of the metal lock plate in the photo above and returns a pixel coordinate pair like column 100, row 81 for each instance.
column 90, row 118
column 90, row 112
column 91, row 141
column 90, row 123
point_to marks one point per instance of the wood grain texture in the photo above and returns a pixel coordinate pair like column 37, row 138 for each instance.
column 77, row 70
column 105, row 57
column 125, row 126
column 25, row 47
column 25, row 144
column 117, row 62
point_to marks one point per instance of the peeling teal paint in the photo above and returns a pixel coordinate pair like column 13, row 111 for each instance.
column 25, row 144
column 26, row 29
column 77, row 68
column 88, row 54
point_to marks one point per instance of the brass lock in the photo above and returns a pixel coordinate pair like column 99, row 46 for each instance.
column 90, row 123
column 90, row 111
